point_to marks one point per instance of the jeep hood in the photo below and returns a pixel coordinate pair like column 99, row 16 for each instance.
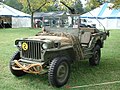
column 63, row 40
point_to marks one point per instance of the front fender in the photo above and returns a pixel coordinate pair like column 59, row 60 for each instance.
column 68, row 51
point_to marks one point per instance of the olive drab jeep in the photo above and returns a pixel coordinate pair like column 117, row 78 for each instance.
column 62, row 41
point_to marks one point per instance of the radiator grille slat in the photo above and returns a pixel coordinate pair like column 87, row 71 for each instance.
column 33, row 51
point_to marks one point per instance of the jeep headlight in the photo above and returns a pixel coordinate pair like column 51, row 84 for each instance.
column 19, row 44
column 45, row 46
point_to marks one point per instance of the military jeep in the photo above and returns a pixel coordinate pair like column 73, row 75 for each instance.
column 61, row 42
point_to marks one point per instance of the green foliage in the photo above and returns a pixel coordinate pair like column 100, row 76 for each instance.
column 78, row 7
column 51, row 8
column 74, row 6
column 116, row 4
column 35, row 5
column 22, row 5
column 41, row 5
column 14, row 3
column 26, row 9
column 69, row 3
column 92, row 4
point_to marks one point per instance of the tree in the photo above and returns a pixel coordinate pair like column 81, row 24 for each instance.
column 78, row 7
column 65, row 5
column 51, row 8
column 33, row 5
column 116, row 4
column 16, row 4
column 92, row 4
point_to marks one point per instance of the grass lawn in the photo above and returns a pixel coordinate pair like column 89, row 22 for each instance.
column 81, row 73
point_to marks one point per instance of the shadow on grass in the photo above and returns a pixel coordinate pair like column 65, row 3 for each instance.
column 38, row 82
column 36, row 78
column 81, row 74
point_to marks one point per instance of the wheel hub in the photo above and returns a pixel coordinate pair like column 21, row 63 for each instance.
column 62, row 72
column 96, row 56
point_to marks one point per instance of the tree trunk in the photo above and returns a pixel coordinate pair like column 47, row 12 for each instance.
column 32, row 23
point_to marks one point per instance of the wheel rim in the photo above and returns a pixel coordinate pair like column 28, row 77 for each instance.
column 62, row 72
column 97, row 57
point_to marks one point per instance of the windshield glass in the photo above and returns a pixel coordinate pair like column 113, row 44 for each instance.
column 63, row 23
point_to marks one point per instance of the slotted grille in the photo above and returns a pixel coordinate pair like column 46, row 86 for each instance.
column 33, row 50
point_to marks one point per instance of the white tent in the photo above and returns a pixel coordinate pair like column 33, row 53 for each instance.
column 109, row 17
column 13, row 17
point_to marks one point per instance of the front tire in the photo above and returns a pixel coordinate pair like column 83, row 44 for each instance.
column 17, row 73
column 95, row 59
column 59, row 71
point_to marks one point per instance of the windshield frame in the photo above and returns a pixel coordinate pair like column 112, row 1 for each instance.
column 67, row 23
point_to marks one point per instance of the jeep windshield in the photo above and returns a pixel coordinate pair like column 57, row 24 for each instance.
column 63, row 23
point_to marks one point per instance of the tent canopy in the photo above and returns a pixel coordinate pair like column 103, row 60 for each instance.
column 10, row 17
column 9, row 11
column 104, row 11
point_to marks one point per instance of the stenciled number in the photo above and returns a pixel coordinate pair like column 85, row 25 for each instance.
column 24, row 46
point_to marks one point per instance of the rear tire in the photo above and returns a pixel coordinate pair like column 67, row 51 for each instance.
column 59, row 71
column 95, row 59
column 17, row 73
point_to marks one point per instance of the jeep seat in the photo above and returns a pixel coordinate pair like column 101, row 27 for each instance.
column 85, row 38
